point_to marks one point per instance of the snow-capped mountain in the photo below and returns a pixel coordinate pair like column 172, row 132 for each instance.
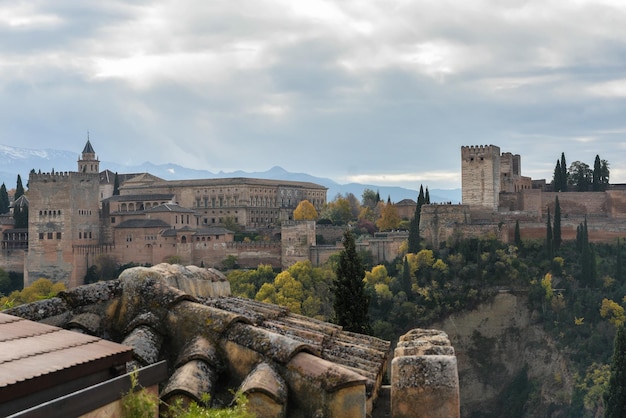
column 14, row 161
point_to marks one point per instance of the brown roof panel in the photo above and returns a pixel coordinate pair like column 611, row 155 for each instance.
column 35, row 356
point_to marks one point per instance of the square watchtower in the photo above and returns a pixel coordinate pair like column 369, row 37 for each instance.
column 480, row 176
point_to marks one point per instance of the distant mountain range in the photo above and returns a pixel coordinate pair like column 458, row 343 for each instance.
column 14, row 161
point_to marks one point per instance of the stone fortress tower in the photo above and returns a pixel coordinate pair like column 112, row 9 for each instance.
column 64, row 221
column 480, row 176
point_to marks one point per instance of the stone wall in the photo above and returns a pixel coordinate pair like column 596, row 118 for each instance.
column 296, row 239
column 12, row 260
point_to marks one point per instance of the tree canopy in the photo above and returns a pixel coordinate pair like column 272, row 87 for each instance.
column 305, row 211
column 351, row 302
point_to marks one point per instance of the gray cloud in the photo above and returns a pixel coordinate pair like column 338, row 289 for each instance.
column 387, row 90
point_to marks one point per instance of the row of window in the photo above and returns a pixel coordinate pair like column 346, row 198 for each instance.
column 49, row 212
column 49, row 235
column 84, row 212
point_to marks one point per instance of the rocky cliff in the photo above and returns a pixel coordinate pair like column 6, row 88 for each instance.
column 508, row 365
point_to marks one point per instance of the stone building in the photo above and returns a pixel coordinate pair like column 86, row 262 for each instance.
column 74, row 218
column 64, row 221
column 495, row 196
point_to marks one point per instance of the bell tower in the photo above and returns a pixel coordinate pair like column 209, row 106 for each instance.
column 88, row 162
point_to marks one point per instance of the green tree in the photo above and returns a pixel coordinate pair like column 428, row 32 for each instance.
column 615, row 397
column 19, row 189
column 351, row 302
column 338, row 210
column 369, row 199
column 549, row 238
column 580, row 176
column 4, row 199
column 20, row 214
column 518, row 235
column 604, row 175
column 116, row 185
column 414, row 226
column 564, row 175
column 556, row 233
column 557, row 181
column 596, row 175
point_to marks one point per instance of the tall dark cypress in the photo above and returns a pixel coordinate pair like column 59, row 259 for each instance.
column 116, row 185
column 549, row 237
column 4, row 199
column 563, row 173
column 19, row 188
column 557, row 225
column 518, row 236
column 351, row 302
column 414, row 226
column 557, row 183
column 427, row 196
column 615, row 396
column 596, row 175
column 406, row 278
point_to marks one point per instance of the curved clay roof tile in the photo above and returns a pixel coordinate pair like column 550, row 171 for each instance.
column 263, row 378
column 146, row 344
column 190, row 382
column 277, row 347
column 199, row 348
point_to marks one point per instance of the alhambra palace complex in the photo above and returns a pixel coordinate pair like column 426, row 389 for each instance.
column 74, row 217
column 185, row 332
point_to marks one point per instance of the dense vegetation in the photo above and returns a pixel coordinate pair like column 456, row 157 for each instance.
column 579, row 306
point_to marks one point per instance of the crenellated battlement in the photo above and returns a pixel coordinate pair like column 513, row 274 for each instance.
column 58, row 176
column 484, row 151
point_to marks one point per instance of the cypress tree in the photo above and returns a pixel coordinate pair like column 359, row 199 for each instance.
column 563, row 173
column 557, row 182
column 427, row 197
column 19, row 189
column 414, row 226
column 518, row 236
column 596, row 175
column 351, row 302
column 615, row 396
column 549, row 237
column 4, row 199
column 20, row 216
column 116, row 185
column 587, row 258
column 604, row 178
column 557, row 225
column 579, row 238
column 406, row 278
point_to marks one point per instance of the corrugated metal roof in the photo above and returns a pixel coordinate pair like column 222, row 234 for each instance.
column 36, row 356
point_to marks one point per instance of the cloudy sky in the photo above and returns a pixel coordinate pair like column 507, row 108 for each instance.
column 379, row 91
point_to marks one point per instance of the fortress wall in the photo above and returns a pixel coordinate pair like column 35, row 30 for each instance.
column 12, row 260
column 599, row 230
column 616, row 200
column 576, row 203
